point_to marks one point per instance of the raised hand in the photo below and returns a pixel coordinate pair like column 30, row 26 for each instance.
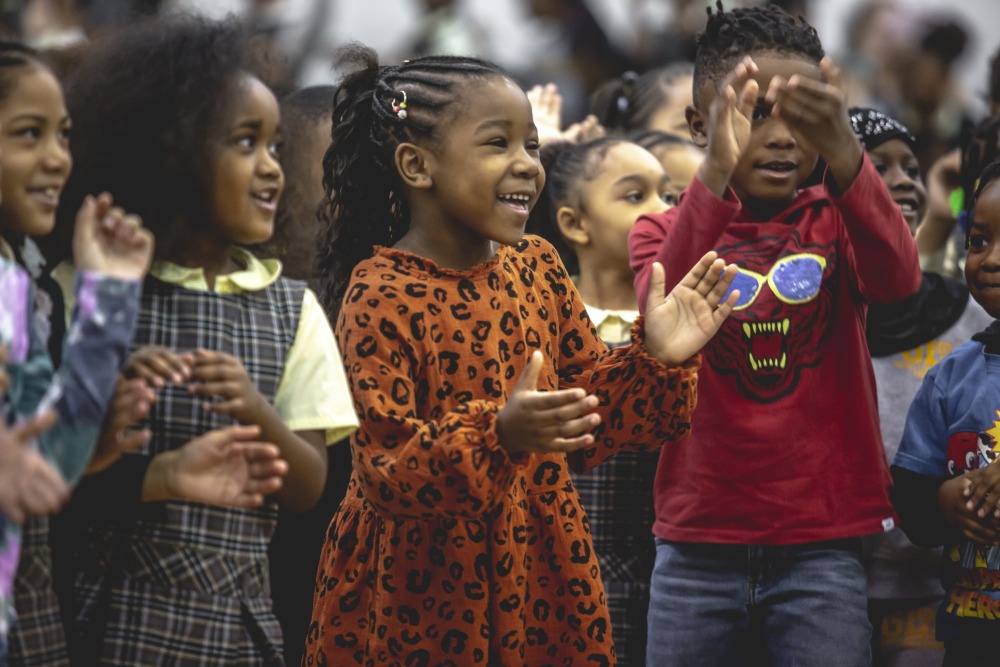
column 545, row 421
column 108, row 241
column 816, row 114
column 159, row 365
column 223, row 467
column 130, row 404
column 729, row 122
column 679, row 325
column 220, row 374
column 29, row 485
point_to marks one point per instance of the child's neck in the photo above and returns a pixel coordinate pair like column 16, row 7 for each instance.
column 213, row 258
column 456, row 249
column 606, row 287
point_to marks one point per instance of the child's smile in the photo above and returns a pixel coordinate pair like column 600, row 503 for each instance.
column 247, row 178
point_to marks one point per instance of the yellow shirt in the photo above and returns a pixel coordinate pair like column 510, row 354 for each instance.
column 613, row 326
column 313, row 393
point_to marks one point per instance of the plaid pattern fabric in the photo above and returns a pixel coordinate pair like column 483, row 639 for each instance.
column 186, row 583
column 37, row 637
column 618, row 498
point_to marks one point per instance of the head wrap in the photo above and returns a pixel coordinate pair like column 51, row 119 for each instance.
column 873, row 128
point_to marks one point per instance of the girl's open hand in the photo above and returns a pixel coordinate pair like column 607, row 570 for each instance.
column 109, row 241
column 157, row 366
column 816, row 114
column 220, row 374
column 225, row 467
column 129, row 405
column 545, row 421
column 679, row 325
column 29, row 485
column 729, row 123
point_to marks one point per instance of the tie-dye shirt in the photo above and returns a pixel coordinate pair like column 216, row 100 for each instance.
column 98, row 339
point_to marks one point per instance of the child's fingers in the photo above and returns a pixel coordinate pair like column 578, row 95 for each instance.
column 541, row 401
column 748, row 98
column 572, row 428
column 232, row 407
column 657, row 287
column 710, row 278
column 30, row 429
column 44, row 490
column 214, row 372
column 4, row 354
column 565, row 412
column 131, row 441
column 528, row 381
column 775, row 87
column 218, row 388
column 568, row 444
column 722, row 284
column 831, row 73
column 694, row 276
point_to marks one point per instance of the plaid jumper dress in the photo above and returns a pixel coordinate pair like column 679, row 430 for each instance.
column 184, row 583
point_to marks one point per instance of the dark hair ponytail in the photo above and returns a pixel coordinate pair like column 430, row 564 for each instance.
column 365, row 204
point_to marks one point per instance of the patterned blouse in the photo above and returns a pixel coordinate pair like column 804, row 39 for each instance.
column 448, row 549
column 96, row 344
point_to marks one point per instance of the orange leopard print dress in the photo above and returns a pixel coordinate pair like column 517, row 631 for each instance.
column 448, row 550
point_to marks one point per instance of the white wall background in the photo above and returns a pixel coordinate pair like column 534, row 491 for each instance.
column 516, row 39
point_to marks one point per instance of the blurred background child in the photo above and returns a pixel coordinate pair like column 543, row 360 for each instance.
column 593, row 194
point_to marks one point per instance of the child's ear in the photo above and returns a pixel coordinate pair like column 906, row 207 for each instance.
column 570, row 224
column 412, row 163
column 697, row 125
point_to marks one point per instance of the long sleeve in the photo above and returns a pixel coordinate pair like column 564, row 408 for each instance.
column 883, row 254
column 643, row 403
column 451, row 464
column 915, row 498
column 98, row 339
column 678, row 237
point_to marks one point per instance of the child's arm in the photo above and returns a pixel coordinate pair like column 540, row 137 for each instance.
column 679, row 237
column 883, row 253
column 112, row 252
column 223, row 375
column 648, row 390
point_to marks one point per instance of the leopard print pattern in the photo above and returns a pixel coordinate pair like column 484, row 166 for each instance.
column 448, row 550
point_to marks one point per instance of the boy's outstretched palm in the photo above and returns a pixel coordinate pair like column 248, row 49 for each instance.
column 679, row 325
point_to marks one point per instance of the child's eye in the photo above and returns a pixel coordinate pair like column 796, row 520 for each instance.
column 633, row 197
column 977, row 242
column 30, row 133
column 533, row 145
column 246, row 142
column 65, row 133
column 881, row 168
column 275, row 148
column 760, row 113
column 669, row 198
column 499, row 142
column 913, row 173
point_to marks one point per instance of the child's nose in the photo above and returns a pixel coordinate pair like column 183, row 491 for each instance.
column 779, row 135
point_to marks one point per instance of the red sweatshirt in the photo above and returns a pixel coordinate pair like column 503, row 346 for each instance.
column 785, row 444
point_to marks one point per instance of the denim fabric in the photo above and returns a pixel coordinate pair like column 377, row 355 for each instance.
column 784, row 606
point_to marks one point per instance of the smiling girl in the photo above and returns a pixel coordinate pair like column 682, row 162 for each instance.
column 190, row 139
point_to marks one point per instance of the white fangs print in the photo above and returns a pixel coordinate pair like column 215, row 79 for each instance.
column 751, row 329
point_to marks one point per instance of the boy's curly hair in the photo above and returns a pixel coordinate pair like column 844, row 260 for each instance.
column 728, row 36
column 149, row 106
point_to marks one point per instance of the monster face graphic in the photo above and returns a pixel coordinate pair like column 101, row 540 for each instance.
column 781, row 317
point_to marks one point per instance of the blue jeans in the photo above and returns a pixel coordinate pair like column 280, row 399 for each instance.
column 722, row 604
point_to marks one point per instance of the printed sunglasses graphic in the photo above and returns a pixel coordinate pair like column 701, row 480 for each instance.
column 795, row 279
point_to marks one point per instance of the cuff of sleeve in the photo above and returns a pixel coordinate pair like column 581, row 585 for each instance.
column 693, row 363
column 707, row 202
column 491, row 438
column 858, row 190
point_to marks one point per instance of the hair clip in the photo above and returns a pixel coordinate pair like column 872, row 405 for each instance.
column 399, row 108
